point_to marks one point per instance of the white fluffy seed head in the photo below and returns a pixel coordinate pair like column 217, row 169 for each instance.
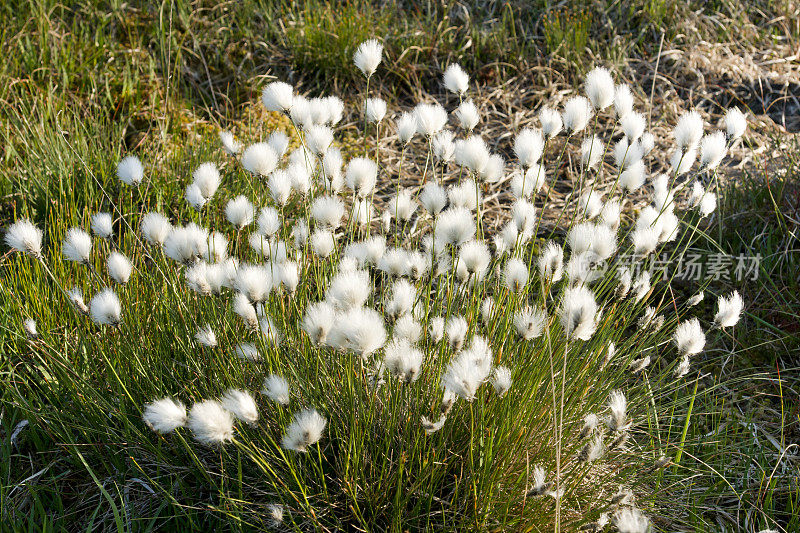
column 318, row 320
column 472, row 153
column 431, row 118
column 455, row 79
column 155, row 227
column 229, row 142
column 349, row 289
column 578, row 312
column 682, row 161
column 436, row 329
column 623, row 100
column 702, row 199
column 530, row 322
column 287, row 274
column 663, row 197
column 501, row 380
column 207, row 179
column 683, row 366
column 689, row 337
column 276, row 389
column 269, row 221
column 626, row 153
column 473, row 260
column 119, row 267
column 528, row 147
column 649, row 320
column 305, row 430
column 279, row 142
column 633, row 125
column 197, row 278
column 551, row 122
column 22, row 236
column 210, row 422
column 164, row 415
column 407, row 328
column 130, row 171
column 526, row 183
column 239, row 212
column 454, row 226
column 595, row 238
column 464, row 195
column 395, row 262
column 551, row 262
column 375, row 109
column 610, row 214
column 516, row 274
column 464, row 375
column 300, row 172
column 368, row 57
column 695, row 299
column 364, row 212
column 105, row 309
column 402, row 206
column 259, row 159
column 494, row 170
column 618, row 406
column 641, row 286
column 361, row 175
column 103, row 225
column 280, row 186
column 631, row 520
column 402, row 360
column 729, row 310
column 77, row 246
column 406, row 127
column 332, row 166
column 633, row 177
column 713, row 148
column 301, row 112
column 456, row 330
column 76, row 299
column 194, row 196
column 318, row 109
column 688, row 131
column 254, row 281
column 206, row 337
column 576, row 115
column 241, row 404
column 646, row 143
column 323, row 243
column 319, row 139
column 467, row 115
column 591, row 151
column 29, row 325
column 600, row 88
column 278, row 96
column 185, row 244
column 444, row 148
column 735, row 123
column 645, row 240
column 275, row 512
column 327, row 211
column 590, row 204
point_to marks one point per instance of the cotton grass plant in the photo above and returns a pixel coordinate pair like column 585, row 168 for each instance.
column 333, row 346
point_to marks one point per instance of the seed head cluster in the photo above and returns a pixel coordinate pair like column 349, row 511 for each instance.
column 340, row 286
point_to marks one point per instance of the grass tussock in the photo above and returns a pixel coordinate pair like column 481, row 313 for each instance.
column 387, row 362
column 85, row 85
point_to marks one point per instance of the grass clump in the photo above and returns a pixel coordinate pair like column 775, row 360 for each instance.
column 292, row 337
